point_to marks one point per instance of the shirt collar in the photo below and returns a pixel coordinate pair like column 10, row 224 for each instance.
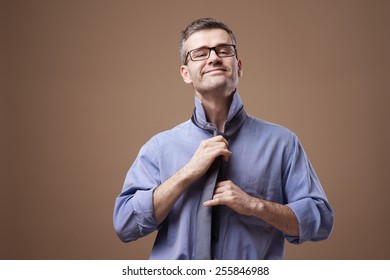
column 235, row 106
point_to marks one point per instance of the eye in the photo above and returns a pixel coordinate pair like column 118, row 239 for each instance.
column 199, row 53
column 225, row 50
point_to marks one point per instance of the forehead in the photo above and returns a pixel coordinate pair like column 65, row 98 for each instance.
column 207, row 38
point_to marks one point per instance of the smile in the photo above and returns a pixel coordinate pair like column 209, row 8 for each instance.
column 214, row 70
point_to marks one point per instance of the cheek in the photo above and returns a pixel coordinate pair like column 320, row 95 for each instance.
column 196, row 74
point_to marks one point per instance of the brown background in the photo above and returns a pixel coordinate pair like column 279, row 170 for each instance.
column 86, row 83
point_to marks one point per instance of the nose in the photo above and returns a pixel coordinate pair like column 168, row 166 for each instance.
column 213, row 56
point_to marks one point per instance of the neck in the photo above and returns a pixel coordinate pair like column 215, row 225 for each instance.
column 216, row 107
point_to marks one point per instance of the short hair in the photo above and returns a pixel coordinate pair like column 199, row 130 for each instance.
column 198, row 25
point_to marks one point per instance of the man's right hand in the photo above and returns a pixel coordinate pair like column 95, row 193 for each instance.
column 165, row 195
column 205, row 155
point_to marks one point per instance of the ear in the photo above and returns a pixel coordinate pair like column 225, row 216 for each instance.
column 185, row 74
column 240, row 68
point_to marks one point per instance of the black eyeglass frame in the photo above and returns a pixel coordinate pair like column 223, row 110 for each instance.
column 211, row 49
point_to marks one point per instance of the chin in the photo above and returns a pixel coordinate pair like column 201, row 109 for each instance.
column 217, row 82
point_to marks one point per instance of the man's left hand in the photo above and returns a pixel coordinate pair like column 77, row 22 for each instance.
column 231, row 195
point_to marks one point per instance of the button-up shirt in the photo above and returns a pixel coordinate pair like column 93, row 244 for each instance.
column 267, row 162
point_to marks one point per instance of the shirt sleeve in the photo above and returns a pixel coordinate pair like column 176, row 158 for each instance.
column 306, row 198
column 133, row 211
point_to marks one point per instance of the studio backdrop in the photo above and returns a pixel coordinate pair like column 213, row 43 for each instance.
column 84, row 84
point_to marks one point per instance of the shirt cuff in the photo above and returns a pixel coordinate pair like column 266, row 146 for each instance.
column 307, row 219
column 142, row 203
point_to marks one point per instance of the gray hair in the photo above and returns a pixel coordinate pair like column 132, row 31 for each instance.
column 198, row 25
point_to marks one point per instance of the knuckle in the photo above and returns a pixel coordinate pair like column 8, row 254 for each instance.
column 203, row 144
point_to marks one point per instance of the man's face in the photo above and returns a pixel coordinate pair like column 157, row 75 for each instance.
column 215, row 73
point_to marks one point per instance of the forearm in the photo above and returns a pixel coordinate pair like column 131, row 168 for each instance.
column 277, row 215
column 165, row 195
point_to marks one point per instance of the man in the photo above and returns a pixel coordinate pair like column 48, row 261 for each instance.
column 264, row 190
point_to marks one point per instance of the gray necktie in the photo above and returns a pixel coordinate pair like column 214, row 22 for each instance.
column 204, row 214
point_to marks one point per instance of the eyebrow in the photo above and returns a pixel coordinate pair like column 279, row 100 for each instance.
column 222, row 44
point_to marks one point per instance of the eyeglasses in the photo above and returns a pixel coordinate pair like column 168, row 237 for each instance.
column 203, row 53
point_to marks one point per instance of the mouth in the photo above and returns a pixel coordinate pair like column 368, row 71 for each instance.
column 215, row 70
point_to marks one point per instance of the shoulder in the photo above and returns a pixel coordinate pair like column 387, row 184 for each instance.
column 266, row 128
column 164, row 137
column 175, row 132
column 272, row 137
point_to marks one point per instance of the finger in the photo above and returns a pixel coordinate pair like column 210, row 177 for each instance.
column 219, row 195
column 210, row 145
column 212, row 202
column 223, row 186
column 220, row 151
column 226, row 154
column 213, row 147
column 224, row 194
column 218, row 138
column 219, row 189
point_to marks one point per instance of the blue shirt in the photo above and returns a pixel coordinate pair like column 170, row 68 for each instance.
column 267, row 162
